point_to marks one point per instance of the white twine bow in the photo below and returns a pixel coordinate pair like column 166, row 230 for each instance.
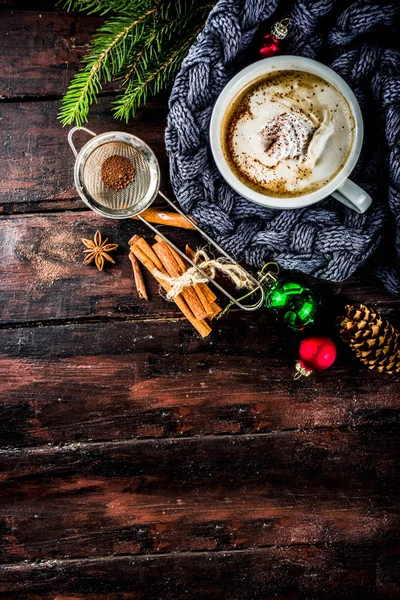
column 211, row 266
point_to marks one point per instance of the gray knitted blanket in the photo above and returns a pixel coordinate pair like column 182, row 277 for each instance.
column 327, row 240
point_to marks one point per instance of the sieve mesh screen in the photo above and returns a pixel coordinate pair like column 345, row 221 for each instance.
column 130, row 197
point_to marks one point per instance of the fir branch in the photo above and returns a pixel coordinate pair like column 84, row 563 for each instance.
column 118, row 6
column 159, row 38
column 152, row 80
column 100, row 6
column 141, row 47
column 108, row 52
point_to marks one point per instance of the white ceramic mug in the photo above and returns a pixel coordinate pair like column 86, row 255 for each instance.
column 340, row 187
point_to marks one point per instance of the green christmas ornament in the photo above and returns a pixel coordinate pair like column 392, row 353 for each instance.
column 293, row 302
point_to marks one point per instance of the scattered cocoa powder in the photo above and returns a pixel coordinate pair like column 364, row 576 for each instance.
column 51, row 256
column 117, row 172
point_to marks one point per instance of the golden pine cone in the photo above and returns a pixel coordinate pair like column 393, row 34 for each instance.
column 374, row 340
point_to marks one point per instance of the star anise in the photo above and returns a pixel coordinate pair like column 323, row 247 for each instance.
column 97, row 250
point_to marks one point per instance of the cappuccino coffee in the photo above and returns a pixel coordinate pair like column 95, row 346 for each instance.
column 288, row 134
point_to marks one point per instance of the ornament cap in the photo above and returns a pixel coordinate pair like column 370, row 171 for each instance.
column 280, row 29
column 302, row 370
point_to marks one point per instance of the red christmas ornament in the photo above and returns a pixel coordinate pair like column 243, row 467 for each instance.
column 270, row 43
column 269, row 46
column 316, row 354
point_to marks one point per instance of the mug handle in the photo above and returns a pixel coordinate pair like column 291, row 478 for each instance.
column 351, row 195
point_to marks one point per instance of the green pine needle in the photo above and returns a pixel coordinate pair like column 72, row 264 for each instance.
column 105, row 59
column 152, row 80
column 99, row 6
column 141, row 46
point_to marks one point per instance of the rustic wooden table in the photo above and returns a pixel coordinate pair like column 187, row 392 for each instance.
column 138, row 460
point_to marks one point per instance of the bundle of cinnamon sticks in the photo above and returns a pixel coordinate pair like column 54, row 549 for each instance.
column 197, row 302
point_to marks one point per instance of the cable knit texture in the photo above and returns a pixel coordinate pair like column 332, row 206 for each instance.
column 328, row 240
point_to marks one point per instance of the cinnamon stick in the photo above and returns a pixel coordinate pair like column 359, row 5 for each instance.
column 183, row 266
column 147, row 250
column 201, row 326
column 215, row 310
column 209, row 294
column 163, row 251
column 162, row 217
column 137, row 274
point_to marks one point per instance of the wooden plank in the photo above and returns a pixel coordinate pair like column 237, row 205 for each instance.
column 285, row 573
column 26, row 5
column 96, row 515
column 36, row 162
column 40, row 51
column 41, row 264
column 313, row 462
column 158, row 378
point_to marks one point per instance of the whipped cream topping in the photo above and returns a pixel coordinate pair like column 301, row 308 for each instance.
column 320, row 139
column 289, row 134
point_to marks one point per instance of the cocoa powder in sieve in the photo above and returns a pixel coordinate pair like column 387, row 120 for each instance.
column 117, row 172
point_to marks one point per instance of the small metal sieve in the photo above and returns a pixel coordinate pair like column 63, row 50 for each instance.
column 135, row 197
